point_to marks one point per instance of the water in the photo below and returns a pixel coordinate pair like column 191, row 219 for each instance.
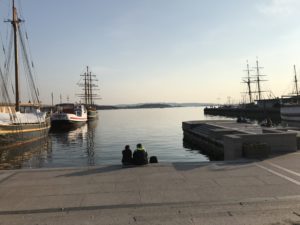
column 101, row 142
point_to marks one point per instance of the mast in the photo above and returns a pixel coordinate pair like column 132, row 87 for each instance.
column 296, row 81
column 248, row 82
column 258, row 80
column 15, row 23
column 85, row 86
column 90, row 85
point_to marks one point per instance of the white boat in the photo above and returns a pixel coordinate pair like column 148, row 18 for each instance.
column 68, row 115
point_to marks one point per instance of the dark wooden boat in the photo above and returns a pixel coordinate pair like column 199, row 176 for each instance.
column 92, row 113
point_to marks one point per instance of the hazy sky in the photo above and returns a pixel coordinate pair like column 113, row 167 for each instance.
column 161, row 50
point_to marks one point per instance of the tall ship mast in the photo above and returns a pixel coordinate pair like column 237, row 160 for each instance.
column 296, row 82
column 290, row 108
column 89, row 95
column 247, row 80
column 254, row 79
column 20, row 123
column 15, row 23
column 258, row 80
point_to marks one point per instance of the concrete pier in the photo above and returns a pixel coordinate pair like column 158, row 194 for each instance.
column 239, row 140
column 240, row 192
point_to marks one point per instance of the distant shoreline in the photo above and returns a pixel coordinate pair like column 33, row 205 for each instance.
column 152, row 106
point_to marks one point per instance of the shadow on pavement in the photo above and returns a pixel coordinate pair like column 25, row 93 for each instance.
column 99, row 170
column 182, row 166
column 104, row 169
column 214, row 166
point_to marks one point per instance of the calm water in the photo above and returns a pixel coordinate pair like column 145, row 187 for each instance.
column 101, row 141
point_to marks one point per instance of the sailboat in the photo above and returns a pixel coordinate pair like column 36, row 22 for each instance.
column 290, row 111
column 89, row 95
column 20, row 123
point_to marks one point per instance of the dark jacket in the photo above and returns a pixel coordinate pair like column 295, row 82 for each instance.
column 140, row 157
column 127, row 157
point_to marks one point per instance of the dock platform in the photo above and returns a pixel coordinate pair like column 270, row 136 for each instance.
column 234, row 140
column 240, row 192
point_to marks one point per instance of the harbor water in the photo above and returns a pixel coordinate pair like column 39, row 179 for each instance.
column 101, row 141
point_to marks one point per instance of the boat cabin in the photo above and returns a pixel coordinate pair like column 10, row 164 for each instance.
column 29, row 108
column 24, row 108
column 70, row 108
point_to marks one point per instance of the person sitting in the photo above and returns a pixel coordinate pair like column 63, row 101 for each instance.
column 127, row 156
column 140, row 156
column 269, row 122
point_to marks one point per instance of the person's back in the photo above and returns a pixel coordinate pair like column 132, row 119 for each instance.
column 127, row 156
column 140, row 156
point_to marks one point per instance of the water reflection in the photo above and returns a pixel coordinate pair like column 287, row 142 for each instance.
column 78, row 143
column 31, row 154
column 90, row 144
column 211, row 154
column 98, row 143
column 68, row 137
column 58, row 146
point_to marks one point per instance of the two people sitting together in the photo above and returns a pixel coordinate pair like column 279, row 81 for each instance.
column 139, row 156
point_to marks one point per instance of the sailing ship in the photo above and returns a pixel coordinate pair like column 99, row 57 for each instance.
column 256, row 79
column 260, row 103
column 290, row 109
column 19, row 123
column 68, row 115
column 89, row 96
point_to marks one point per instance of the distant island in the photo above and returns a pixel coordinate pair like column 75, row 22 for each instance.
column 152, row 105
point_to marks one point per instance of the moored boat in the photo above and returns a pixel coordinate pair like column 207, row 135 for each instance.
column 290, row 111
column 68, row 115
column 20, row 124
column 20, row 128
column 89, row 96
column 92, row 113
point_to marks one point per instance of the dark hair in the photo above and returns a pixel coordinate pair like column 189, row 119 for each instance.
column 139, row 145
column 127, row 147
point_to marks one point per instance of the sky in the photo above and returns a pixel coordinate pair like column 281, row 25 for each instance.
column 160, row 50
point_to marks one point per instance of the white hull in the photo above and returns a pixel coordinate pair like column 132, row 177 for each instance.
column 68, row 117
column 64, row 118
column 22, row 118
column 290, row 112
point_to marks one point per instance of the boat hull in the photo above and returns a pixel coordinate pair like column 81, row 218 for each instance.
column 66, row 124
column 290, row 112
column 17, row 135
column 92, row 114
column 67, row 121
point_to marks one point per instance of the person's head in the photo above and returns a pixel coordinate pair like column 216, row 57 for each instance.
column 127, row 147
column 139, row 145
